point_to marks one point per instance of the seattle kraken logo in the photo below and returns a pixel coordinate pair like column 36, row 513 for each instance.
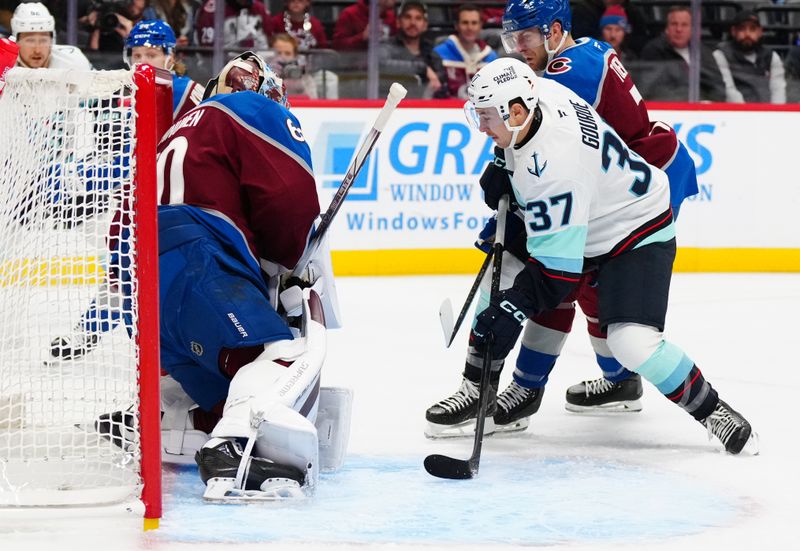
column 537, row 170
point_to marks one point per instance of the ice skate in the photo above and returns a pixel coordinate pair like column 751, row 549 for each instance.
column 219, row 464
column 603, row 396
column 73, row 346
column 732, row 429
column 454, row 416
column 515, row 405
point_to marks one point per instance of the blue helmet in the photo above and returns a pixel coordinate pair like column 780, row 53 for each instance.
column 524, row 14
column 153, row 33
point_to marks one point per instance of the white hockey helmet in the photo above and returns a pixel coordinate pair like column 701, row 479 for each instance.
column 32, row 17
column 494, row 87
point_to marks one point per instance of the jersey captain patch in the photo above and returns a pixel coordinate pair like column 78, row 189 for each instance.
column 559, row 65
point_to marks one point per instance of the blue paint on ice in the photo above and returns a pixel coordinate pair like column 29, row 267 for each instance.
column 379, row 499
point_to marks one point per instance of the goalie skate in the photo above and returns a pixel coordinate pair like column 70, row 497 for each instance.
column 219, row 463
column 454, row 417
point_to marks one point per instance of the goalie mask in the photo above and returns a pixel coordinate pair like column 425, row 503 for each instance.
column 247, row 71
column 492, row 90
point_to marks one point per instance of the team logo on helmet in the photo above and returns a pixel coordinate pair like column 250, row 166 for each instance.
column 508, row 74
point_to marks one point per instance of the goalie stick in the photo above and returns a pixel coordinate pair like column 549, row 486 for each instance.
column 446, row 309
column 442, row 466
column 396, row 93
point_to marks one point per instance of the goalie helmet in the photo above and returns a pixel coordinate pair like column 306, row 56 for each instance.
column 492, row 90
column 522, row 15
column 32, row 17
column 248, row 71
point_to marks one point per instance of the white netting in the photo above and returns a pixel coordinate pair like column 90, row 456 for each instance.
column 66, row 243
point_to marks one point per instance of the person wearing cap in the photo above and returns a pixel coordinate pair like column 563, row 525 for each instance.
column 614, row 29
column 409, row 52
column 34, row 28
column 752, row 72
column 668, row 78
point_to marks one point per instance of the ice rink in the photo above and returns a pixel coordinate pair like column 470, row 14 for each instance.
column 648, row 480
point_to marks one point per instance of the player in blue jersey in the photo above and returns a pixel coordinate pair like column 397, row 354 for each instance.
column 539, row 31
column 152, row 42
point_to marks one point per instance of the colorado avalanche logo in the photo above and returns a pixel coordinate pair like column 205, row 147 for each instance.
column 559, row 65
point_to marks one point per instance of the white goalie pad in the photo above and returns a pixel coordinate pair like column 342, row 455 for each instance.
column 266, row 398
column 179, row 439
column 286, row 437
column 333, row 426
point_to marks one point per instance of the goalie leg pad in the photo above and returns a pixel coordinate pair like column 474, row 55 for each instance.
column 333, row 426
column 288, row 438
column 180, row 441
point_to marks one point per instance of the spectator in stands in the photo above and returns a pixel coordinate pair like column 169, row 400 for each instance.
column 463, row 53
column 614, row 29
column 34, row 29
column 668, row 78
column 410, row 53
column 793, row 73
column 752, row 72
column 293, row 69
column 586, row 15
column 112, row 23
column 352, row 28
column 296, row 21
column 247, row 25
column 179, row 15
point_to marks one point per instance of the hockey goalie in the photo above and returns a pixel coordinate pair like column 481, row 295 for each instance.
column 237, row 207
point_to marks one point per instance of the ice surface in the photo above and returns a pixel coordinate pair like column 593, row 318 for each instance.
column 650, row 480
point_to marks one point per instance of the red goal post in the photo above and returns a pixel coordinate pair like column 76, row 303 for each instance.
column 79, row 272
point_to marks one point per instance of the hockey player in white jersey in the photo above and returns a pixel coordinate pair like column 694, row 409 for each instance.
column 588, row 202
column 34, row 29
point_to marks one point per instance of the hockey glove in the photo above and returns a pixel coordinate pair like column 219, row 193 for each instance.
column 503, row 318
column 496, row 182
column 514, row 226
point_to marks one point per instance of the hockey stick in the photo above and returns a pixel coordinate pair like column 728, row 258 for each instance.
column 396, row 93
column 446, row 309
column 442, row 466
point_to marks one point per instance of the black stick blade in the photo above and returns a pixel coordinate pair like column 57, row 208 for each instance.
column 442, row 466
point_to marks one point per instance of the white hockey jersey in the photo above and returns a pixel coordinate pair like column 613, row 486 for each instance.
column 583, row 192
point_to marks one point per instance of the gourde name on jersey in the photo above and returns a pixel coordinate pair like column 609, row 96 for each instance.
column 239, row 165
column 584, row 193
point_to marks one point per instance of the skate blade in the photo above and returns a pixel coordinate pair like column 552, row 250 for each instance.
column 461, row 430
column 633, row 406
column 223, row 490
column 515, row 426
column 752, row 446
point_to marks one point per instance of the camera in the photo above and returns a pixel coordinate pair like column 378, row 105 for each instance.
column 107, row 11
column 293, row 69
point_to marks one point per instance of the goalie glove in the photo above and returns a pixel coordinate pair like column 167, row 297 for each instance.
column 503, row 319
column 496, row 182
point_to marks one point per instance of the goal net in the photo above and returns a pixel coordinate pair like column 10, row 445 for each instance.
column 78, row 297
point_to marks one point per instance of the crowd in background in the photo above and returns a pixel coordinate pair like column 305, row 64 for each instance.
column 750, row 52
